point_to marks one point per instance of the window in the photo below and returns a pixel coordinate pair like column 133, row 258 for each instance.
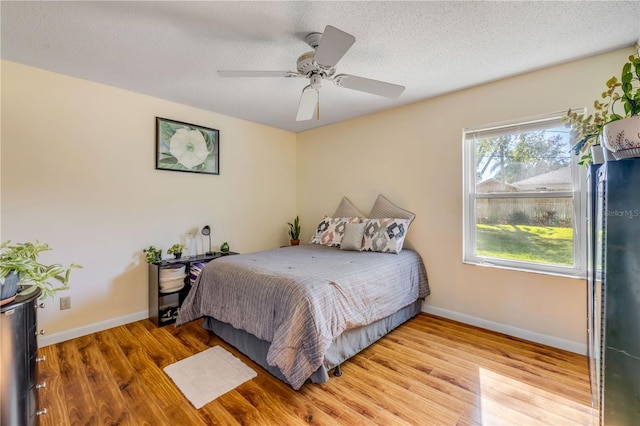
column 523, row 204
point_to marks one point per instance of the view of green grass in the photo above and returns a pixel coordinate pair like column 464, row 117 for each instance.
column 543, row 244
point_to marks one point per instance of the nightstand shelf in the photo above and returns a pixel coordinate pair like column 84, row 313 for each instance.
column 164, row 306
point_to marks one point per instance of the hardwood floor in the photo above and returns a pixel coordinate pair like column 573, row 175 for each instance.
column 429, row 371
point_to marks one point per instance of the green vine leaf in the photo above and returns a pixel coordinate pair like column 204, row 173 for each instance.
column 168, row 159
column 209, row 140
column 167, row 130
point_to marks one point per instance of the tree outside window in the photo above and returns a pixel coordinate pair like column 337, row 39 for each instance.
column 520, row 204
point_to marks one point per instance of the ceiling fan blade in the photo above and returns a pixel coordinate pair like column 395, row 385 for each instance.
column 226, row 73
column 307, row 105
column 375, row 87
column 333, row 45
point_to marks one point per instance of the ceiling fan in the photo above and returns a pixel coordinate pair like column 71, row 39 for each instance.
column 320, row 64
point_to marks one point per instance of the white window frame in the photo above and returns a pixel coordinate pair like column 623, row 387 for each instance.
column 578, row 174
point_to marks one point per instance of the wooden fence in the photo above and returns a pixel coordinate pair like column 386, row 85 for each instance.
column 525, row 211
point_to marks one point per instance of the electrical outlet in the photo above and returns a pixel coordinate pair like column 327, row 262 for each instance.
column 65, row 303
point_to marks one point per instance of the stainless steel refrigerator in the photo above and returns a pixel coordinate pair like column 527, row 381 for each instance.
column 614, row 291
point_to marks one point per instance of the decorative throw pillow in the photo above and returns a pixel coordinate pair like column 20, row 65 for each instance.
column 330, row 230
column 347, row 209
column 195, row 271
column 352, row 239
column 384, row 208
column 385, row 235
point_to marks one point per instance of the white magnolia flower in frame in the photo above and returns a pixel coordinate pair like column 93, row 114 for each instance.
column 189, row 147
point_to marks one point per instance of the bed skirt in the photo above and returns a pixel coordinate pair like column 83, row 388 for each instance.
column 344, row 347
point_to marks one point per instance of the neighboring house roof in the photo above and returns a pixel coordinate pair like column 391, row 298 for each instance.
column 494, row 185
column 554, row 180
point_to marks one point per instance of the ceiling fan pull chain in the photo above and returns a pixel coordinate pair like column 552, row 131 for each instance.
column 318, row 106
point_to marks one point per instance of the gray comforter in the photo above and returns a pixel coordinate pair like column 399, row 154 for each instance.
column 301, row 298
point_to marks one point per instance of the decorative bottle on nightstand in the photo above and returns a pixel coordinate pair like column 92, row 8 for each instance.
column 191, row 245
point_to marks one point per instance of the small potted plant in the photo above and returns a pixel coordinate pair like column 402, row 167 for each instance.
column 152, row 254
column 617, row 128
column 622, row 133
column 19, row 265
column 294, row 231
column 224, row 248
column 585, row 133
column 176, row 250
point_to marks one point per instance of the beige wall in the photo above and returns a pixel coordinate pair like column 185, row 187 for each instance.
column 413, row 155
column 78, row 173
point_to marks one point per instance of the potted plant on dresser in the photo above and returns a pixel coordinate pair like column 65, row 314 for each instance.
column 19, row 265
column 622, row 134
column 616, row 120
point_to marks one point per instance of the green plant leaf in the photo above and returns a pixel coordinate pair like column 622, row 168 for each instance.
column 168, row 160
column 176, row 166
column 209, row 140
column 166, row 130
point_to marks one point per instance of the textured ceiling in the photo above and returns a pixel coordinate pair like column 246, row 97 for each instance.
column 172, row 50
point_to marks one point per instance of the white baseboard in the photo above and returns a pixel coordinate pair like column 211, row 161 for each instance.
column 52, row 339
column 521, row 333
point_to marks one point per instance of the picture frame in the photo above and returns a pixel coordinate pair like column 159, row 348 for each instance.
column 184, row 147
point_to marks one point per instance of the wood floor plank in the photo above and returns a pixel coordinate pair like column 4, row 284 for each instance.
column 502, row 348
column 144, row 363
column 419, row 383
column 275, row 394
column 535, row 351
column 242, row 409
column 110, row 405
column 78, row 394
column 52, row 396
column 430, row 371
column 393, row 398
column 214, row 413
column 144, row 409
column 466, row 355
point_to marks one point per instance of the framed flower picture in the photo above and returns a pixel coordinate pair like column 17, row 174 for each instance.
column 186, row 147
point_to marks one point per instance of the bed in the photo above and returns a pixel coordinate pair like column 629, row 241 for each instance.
column 301, row 311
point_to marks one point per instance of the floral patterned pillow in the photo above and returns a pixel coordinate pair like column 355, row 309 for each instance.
column 385, row 235
column 330, row 230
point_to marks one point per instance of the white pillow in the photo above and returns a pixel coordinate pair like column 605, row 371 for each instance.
column 385, row 235
column 352, row 239
column 330, row 230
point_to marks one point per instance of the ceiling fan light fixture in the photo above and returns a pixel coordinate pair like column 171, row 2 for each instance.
column 313, row 39
column 316, row 81
column 329, row 47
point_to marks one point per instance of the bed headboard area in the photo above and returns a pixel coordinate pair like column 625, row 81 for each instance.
column 383, row 230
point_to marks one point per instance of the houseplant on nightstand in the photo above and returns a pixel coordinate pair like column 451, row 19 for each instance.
column 176, row 250
column 152, row 254
column 19, row 265
column 294, row 231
